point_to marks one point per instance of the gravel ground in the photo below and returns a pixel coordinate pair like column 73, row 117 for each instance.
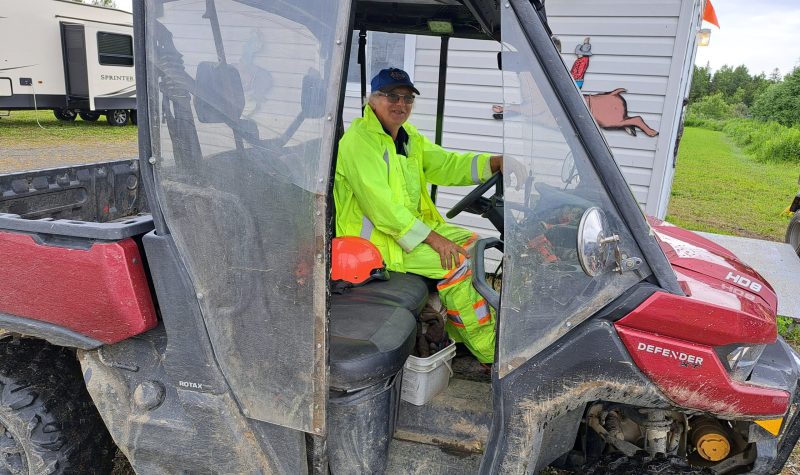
column 33, row 141
column 34, row 156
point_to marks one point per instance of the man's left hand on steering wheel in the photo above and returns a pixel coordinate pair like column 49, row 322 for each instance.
column 498, row 162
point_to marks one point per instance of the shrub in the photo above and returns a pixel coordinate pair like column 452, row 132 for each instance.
column 765, row 141
column 693, row 120
column 712, row 107
column 788, row 329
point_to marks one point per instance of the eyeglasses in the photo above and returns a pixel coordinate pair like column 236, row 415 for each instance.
column 395, row 98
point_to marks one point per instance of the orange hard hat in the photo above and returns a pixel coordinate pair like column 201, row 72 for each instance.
column 356, row 260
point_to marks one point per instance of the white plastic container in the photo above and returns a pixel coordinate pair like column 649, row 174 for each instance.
column 424, row 378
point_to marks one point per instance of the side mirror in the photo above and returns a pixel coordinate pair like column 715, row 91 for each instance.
column 218, row 93
column 313, row 100
column 594, row 242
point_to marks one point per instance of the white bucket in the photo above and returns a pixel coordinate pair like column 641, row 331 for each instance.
column 424, row 378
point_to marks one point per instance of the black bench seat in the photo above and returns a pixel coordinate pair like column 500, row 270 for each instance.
column 373, row 329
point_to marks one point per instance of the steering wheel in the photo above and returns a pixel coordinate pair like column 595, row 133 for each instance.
column 476, row 194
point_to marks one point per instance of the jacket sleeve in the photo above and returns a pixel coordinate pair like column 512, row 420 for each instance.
column 446, row 168
column 366, row 171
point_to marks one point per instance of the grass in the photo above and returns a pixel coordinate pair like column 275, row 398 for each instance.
column 718, row 189
column 19, row 126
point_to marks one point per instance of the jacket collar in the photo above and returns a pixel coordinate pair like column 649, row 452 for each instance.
column 371, row 121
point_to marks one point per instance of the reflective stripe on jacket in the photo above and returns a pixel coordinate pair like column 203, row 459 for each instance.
column 382, row 196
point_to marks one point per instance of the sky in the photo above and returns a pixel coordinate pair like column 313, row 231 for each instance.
column 124, row 5
column 761, row 34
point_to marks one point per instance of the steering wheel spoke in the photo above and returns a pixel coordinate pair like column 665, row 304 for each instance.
column 475, row 195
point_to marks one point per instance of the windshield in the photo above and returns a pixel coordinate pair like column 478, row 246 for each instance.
column 241, row 98
column 546, row 291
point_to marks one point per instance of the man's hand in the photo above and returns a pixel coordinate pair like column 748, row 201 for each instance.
column 497, row 162
column 447, row 249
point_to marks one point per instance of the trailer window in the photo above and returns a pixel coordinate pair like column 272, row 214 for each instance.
column 114, row 49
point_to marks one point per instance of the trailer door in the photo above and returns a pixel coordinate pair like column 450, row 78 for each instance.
column 76, row 77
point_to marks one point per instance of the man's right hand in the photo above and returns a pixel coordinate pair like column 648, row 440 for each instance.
column 447, row 249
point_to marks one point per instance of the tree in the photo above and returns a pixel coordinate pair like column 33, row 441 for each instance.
column 100, row 3
column 728, row 79
column 775, row 76
column 701, row 83
column 781, row 101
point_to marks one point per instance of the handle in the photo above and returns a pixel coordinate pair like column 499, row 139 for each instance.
column 479, row 273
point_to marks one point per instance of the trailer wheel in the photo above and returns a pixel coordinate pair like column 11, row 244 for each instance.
column 48, row 424
column 134, row 120
column 89, row 116
column 118, row 117
column 793, row 232
column 65, row 115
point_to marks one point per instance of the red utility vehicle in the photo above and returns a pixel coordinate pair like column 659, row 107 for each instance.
column 208, row 339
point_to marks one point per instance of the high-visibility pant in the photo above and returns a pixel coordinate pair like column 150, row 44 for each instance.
column 470, row 320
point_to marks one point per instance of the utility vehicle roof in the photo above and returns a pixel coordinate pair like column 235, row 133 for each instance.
column 478, row 19
column 470, row 18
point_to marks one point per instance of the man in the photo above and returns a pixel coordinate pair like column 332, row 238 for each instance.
column 380, row 192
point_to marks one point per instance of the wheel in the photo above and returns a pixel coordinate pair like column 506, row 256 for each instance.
column 118, row 117
column 134, row 120
column 64, row 115
column 48, row 424
column 793, row 232
column 89, row 116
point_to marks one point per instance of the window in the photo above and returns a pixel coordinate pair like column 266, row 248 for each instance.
column 384, row 50
column 114, row 49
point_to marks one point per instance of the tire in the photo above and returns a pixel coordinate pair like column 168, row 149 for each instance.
column 65, row 115
column 89, row 116
column 134, row 120
column 48, row 424
column 793, row 232
column 118, row 117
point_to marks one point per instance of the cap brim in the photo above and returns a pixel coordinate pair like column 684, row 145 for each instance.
column 395, row 86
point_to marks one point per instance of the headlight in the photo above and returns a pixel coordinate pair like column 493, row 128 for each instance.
column 742, row 360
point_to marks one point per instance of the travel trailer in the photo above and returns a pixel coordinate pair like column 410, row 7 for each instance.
column 73, row 58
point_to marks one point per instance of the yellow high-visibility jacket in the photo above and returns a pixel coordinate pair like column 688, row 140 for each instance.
column 382, row 196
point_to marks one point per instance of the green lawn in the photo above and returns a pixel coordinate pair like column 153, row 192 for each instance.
column 718, row 189
column 19, row 125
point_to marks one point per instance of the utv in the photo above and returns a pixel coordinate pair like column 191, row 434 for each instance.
column 624, row 345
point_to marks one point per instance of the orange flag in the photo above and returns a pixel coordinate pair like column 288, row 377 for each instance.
column 710, row 15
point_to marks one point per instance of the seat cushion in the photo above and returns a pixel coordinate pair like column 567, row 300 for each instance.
column 409, row 291
column 368, row 342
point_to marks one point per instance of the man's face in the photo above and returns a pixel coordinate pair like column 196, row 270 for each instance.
column 392, row 115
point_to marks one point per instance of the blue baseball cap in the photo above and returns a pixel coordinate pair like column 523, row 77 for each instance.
column 391, row 78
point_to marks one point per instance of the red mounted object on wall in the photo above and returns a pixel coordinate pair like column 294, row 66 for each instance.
column 100, row 292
